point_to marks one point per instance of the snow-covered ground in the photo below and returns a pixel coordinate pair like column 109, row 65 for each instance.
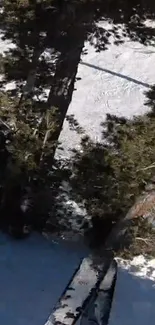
column 5, row 45
column 112, row 81
column 134, row 298
column 35, row 272
column 33, row 275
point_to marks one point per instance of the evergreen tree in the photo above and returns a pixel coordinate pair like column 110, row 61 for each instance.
column 61, row 27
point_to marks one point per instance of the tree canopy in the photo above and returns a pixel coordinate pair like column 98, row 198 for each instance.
column 48, row 40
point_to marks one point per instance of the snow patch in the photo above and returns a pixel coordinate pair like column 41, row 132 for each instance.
column 5, row 45
column 71, row 215
column 150, row 23
column 140, row 266
column 135, row 292
column 10, row 86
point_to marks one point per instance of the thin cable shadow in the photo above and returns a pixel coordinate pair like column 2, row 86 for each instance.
column 117, row 74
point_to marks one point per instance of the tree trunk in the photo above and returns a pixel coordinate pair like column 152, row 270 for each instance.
column 63, row 83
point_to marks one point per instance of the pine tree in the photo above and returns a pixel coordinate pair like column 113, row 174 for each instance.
column 61, row 27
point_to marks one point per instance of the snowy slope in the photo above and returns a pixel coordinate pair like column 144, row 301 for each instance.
column 33, row 274
column 112, row 81
column 134, row 299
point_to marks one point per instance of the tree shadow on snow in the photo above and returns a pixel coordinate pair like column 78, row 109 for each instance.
column 138, row 82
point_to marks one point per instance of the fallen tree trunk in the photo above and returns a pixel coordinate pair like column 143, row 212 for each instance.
column 117, row 238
